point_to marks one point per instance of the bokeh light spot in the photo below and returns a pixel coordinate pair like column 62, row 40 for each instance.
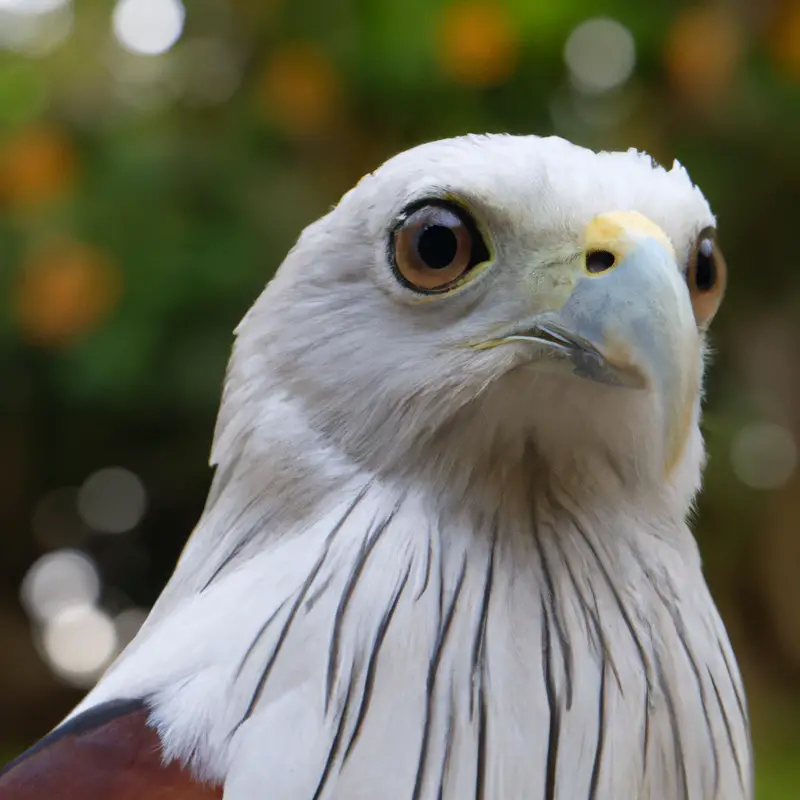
column 144, row 84
column 64, row 291
column 300, row 90
column 148, row 27
column 476, row 43
column 600, row 55
column 764, row 455
column 58, row 581
column 34, row 27
column 210, row 71
column 32, row 6
column 78, row 643
column 112, row 500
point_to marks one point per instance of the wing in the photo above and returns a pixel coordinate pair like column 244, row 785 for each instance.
column 107, row 753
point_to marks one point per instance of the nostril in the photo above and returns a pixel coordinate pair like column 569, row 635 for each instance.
column 599, row 261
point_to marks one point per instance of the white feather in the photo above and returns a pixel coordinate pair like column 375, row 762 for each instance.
column 422, row 573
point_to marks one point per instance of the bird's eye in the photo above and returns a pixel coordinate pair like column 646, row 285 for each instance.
column 706, row 276
column 435, row 245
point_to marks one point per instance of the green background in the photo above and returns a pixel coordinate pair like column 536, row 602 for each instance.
column 146, row 200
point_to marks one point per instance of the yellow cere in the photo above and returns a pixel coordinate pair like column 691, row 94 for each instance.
column 618, row 231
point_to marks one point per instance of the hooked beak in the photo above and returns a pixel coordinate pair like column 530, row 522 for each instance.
column 627, row 320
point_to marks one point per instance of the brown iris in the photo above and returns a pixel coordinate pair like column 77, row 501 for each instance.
column 706, row 276
column 434, row 245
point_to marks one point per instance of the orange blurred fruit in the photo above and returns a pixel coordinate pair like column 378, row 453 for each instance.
column 785, row 39
column 476, row 43
column 300, row 90
column 65, row 290
column 703, row 49
column 36, row 165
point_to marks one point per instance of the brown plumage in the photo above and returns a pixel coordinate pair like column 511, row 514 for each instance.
column 109, row 753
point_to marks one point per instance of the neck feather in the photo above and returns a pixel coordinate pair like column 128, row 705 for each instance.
column 387, row 604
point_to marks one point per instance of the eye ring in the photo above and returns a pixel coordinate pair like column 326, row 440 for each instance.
column 706, row 277
column 434, row 245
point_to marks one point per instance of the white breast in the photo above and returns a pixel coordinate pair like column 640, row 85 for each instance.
column 392, row 651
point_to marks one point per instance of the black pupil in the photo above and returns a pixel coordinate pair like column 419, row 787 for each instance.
column 437, row 246
column 705, row 274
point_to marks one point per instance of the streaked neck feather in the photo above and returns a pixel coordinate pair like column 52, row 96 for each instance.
column 393, row 646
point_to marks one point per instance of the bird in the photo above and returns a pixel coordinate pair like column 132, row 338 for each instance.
column 446, row 551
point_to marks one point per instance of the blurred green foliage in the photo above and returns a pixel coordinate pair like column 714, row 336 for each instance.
column 146, row 200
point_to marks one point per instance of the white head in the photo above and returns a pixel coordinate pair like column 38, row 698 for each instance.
column 496, row 301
